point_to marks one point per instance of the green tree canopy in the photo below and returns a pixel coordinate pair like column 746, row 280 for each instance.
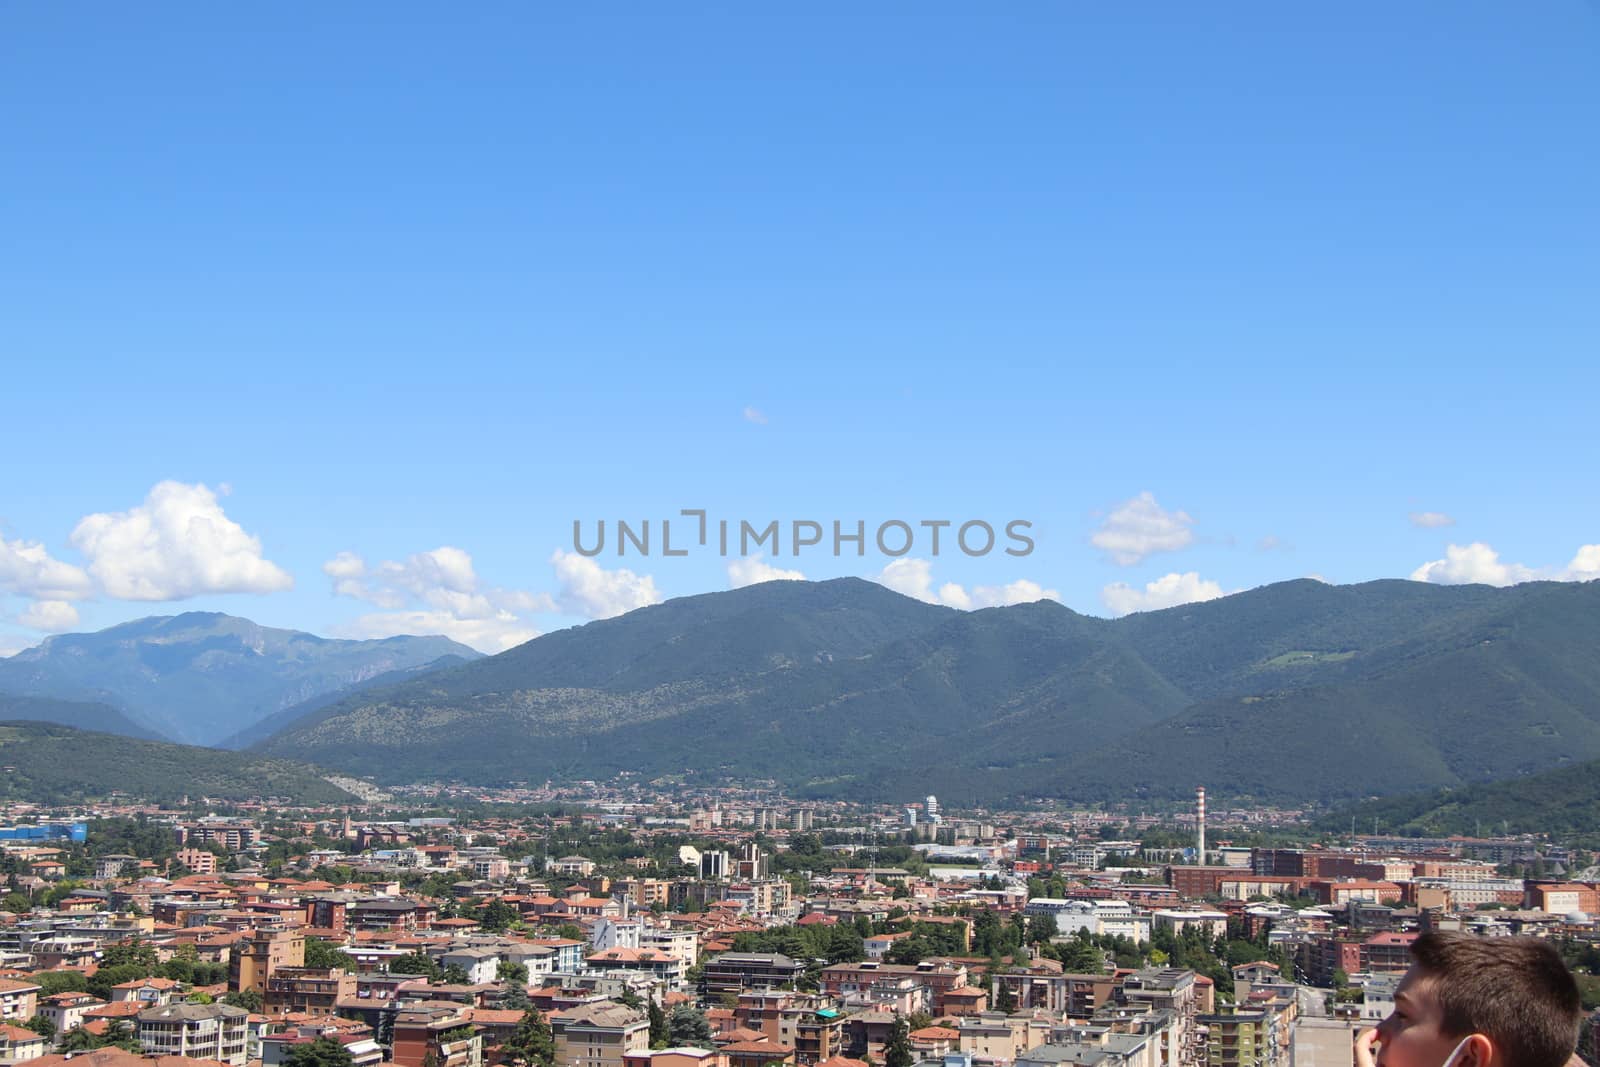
column 323, row 1052
column 897, row 1050
column 688, row 1027
column 531, row 1042
column 248, row 999
column 324, row 955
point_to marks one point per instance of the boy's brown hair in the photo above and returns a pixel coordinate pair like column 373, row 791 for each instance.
column 1514, row 990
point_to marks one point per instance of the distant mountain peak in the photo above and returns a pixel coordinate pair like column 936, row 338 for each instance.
column 202, row 676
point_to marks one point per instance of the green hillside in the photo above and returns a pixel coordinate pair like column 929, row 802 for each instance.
column 51, row 764
column 1564, row 802
column 1299, row 692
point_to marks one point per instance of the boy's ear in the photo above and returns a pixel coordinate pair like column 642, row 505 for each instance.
column 1479, row 1051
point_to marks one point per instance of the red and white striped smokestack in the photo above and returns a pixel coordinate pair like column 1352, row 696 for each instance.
column 1200, row 802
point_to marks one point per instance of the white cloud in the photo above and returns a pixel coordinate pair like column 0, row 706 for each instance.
column 1273, row 543
column 1479, row 563
column 26, row 569
column 1165, row 592
column 434, row 592
column 753, row 570
column 54, row 616
column 175, row 545
column 1431, row 520
column 1141, row 527
column 914, row 578
column 10, row 646
column 496, row 633
column 1474, row 563
column 1021, row 591
column 755, row 415
column 1585, row 566
column 909, row 577
column 590, row 590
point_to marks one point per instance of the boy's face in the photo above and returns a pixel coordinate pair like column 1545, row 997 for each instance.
column 1412, row 1036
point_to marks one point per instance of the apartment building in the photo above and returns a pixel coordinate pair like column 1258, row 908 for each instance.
column 197, row 1031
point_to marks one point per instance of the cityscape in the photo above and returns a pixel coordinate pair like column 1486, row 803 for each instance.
column 890, row 534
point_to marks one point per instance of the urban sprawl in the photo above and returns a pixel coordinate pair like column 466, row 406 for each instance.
column 617, row 926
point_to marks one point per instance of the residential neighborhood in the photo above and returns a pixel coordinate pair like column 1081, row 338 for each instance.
column 620, row 927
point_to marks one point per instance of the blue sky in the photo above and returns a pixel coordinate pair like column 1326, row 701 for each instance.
column 282, row 284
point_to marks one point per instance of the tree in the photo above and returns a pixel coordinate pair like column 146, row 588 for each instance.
column 1081, row 957
column 512, row 972
column 516, row 997
column 415, row 963
column 897, row 1051
column 454, row 974
column 78, row 1040
column 52, row 982
column 130, row 953
column 531, row 1042
column 659, row 1034
column 16, row 902
column 909, row 951
column 1041, row 928
column 629, row 998
column 41, row 1026
column 106, row 977
column 324, row 956
column 1004, row 999
column 248, row 999
column 201, row 998
column 498, row 915
column 688, row 1027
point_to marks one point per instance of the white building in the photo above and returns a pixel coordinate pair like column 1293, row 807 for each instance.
column 198, row 1031
column 615, row 933
column 1211, row 924
column 1113, row 918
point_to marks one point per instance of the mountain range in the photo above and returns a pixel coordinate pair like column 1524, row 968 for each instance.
column 203, row 677
column 1296, row 692
column 1299, row 692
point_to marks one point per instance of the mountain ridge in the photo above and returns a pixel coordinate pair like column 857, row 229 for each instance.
column 203, row 676
column 55, row 764
column 846, row 687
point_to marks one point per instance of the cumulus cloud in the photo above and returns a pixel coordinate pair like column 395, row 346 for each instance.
column 1431, row 520
column 1476, row 563
column 434, row 592
column 177, row 544
column 588, row 589
column 755, row 415
column 53, row 616
column 753, row 570
column 1479, row 563
column 1585, row 566
column 914, row 578
column 27, row 570
column 1141, row 527
column 1167, row 591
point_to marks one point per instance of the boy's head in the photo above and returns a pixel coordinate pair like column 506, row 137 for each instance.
column 1506, row 1001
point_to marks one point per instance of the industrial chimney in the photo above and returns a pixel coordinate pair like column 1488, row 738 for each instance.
column 1200, row 802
